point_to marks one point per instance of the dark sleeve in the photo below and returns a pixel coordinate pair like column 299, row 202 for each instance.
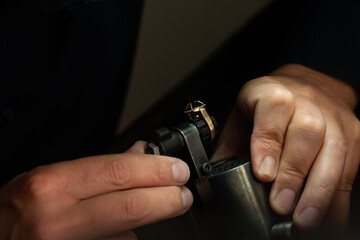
column 55, row 5
column 63, row 79
column 326, row 37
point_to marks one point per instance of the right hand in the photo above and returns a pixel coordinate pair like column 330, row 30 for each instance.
column 99, row 197
column 305, row 138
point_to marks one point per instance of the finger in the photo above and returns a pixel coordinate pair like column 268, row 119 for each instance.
column 127, row 235
column 92, row 176
column 273, row 107
column 322, row 182
column 138, row 147
column 304, row 137
column 119, row 211
column 338, row 214
column 337, row 217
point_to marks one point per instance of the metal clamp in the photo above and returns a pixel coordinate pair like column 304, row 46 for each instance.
column 197, row 152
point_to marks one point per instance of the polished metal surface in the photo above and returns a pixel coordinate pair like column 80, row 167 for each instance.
column 242, row 202
column 152, row 148
column 197, row 152
column 284, row 231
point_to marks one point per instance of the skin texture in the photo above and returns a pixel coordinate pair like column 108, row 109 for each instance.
column 305, row 139
column 99, row 197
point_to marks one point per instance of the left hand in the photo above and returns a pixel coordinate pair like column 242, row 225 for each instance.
column 98, row 197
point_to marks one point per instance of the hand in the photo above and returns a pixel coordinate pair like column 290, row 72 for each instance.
column 304, row 134
column 94, row 197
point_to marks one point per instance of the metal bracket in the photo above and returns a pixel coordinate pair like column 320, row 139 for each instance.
column 197, row 152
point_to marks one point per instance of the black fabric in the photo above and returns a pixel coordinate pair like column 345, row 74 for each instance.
column 326, row 37
column 55, row 5
column 63, row 76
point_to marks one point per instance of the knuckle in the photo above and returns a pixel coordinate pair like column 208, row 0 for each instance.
column 293, row 172
column 34, row 205
column 308, row 118
column 345, row 186
column 339, row 146
column 133, row 207
column 259, row 80
column 309, row 92
column 262, row 79
column 39, row 185
column 161, row 173
column 270, row 141
column 281, row 97
column 175, row 199
column 174, row 204
column 276, row 95
column 310, row 125
column 325, row 189
column 118, row 172
column 265, row 79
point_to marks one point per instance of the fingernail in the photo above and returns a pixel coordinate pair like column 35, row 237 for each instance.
column 308, row 218
column 268, row 167
column 187, row 197
column 285, row 200
column 180, row 172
